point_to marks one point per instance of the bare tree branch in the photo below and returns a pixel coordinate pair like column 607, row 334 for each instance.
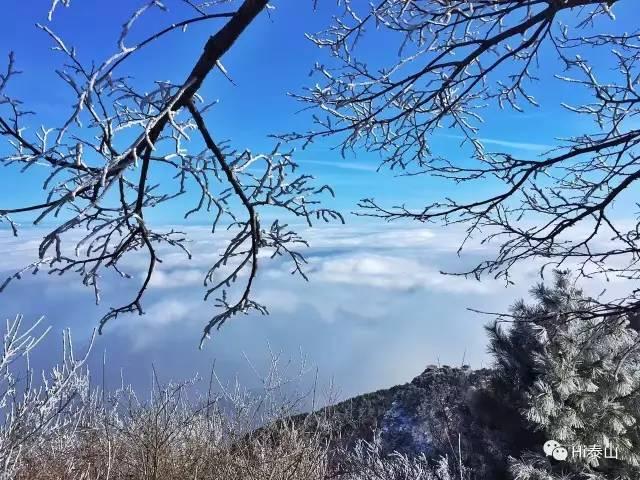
column 455, row 60
column 101, row 192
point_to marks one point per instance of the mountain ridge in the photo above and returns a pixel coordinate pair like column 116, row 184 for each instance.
column 445, row 411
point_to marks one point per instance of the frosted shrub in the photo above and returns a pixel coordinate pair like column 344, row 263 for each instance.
column 61, row 428
column 367, row 462
column 36, row 413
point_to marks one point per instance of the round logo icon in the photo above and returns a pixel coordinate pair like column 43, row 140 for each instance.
column 549, row 447
column 560, row 453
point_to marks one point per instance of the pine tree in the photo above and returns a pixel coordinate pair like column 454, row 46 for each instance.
column 574, row 378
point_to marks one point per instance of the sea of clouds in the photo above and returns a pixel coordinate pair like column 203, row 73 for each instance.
column 375, row 311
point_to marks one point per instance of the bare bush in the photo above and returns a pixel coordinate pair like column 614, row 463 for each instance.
column 36, row 411
column 367, row 462
column 62, row 428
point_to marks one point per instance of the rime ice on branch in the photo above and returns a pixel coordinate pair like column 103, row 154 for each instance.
column 99, row 188
column 459, row 57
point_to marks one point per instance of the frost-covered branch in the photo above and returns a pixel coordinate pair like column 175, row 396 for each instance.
column 103, row 160
column 451, row 62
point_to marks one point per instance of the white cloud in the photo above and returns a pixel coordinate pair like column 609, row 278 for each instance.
column 385, row 236
column 391, row 272
column 176, row 278
column 535, row 147
column 331, row 303
column 527, row 146
column 375, row 311
column 341, row 164
column 167, row 311
column 145, row 330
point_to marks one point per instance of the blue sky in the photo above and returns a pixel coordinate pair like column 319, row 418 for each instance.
column 376, row 310
column 270, row 60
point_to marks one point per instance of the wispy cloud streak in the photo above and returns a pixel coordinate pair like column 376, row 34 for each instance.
column 526, row 146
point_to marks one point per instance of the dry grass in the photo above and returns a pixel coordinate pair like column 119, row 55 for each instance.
column 64, row 429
